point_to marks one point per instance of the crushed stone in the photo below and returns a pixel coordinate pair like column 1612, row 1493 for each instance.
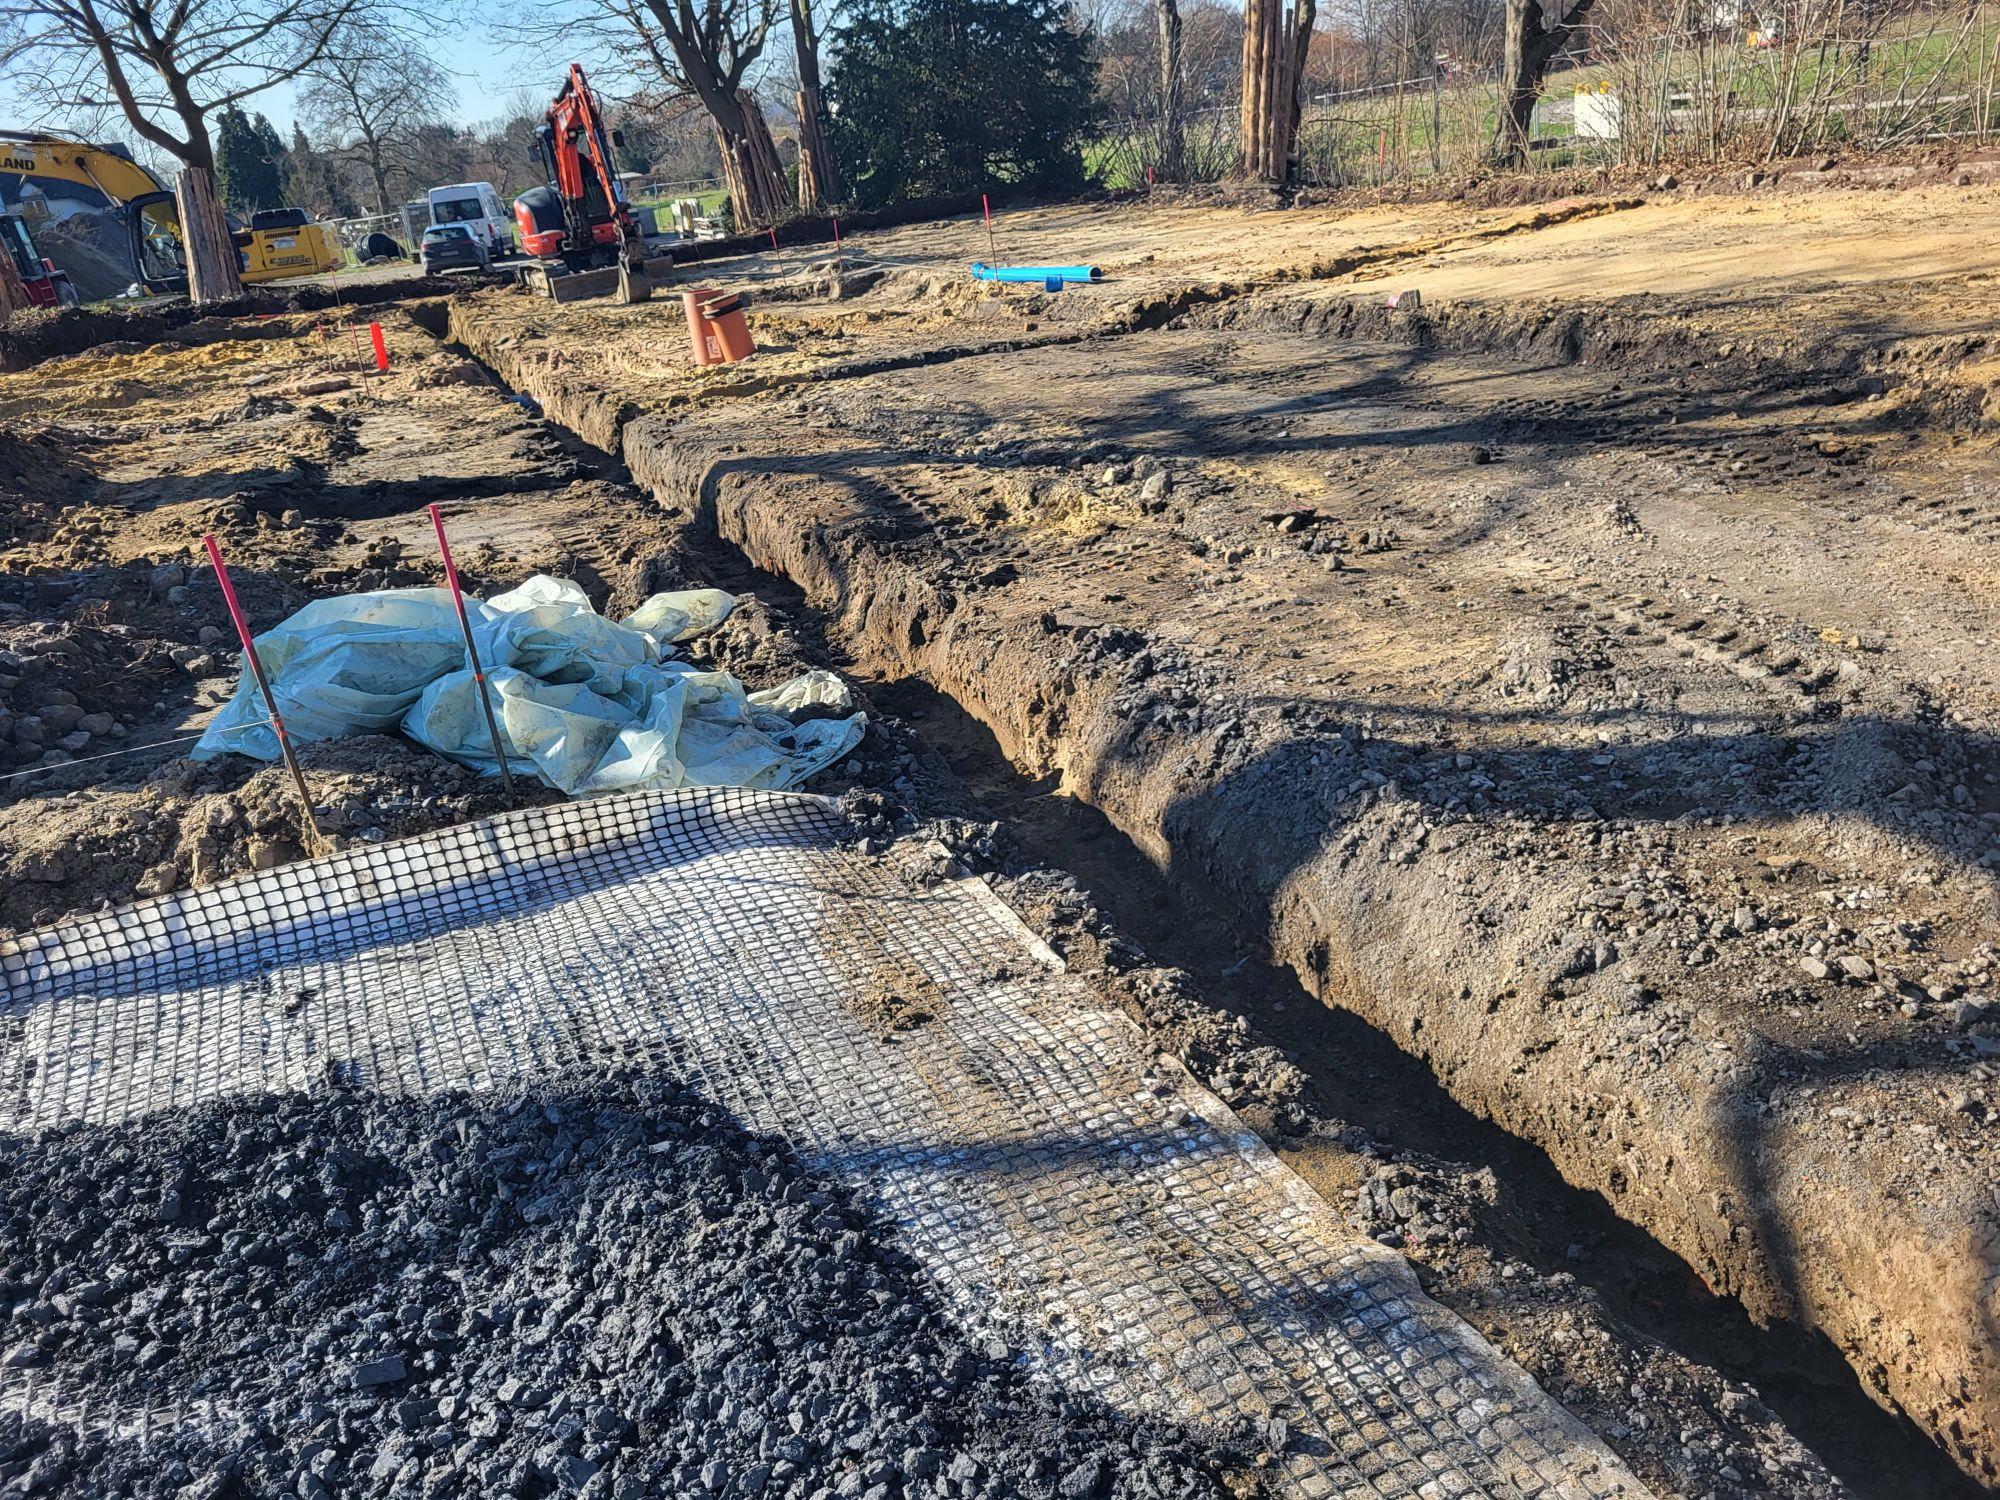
column 598, row 1288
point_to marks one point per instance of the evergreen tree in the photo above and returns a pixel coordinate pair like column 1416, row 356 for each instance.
column 932, row 97
column 315, row 181
column 247, row 171
column 274, row 152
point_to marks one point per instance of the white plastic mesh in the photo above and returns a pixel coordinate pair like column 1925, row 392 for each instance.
column 1053, row 1174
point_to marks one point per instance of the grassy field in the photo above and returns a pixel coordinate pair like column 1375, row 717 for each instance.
column 1933, row 75
column 712, row 202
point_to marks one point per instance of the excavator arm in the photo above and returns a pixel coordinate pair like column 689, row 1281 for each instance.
column 118, row 179
column 151, row 216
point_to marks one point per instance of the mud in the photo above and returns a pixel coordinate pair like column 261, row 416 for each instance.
column 1572, row 731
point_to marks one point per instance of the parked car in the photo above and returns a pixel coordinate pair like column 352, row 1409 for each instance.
column 447, row 245
column 478, row 207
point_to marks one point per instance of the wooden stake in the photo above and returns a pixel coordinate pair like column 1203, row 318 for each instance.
column 472, row 652
column 311, row 828
column 13, row 292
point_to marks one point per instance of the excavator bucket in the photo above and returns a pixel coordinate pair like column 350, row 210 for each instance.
column 634, row 285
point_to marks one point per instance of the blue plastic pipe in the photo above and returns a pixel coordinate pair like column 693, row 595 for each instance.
column 1045, row 274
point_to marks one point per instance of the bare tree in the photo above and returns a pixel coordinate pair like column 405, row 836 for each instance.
column 1173, row 119
column 369, row 99
column 819, row 176
column 701, row 49
column 165, row 65
column 1532, row 43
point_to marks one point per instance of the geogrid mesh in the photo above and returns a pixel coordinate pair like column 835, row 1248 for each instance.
column 1053, row 1175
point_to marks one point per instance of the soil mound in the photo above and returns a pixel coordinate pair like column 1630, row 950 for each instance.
column 94, row 249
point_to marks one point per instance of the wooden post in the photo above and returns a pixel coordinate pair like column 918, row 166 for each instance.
column 205, row 241
column 1250, row 111
column 817, row 182
column 762, row 165
column 13, row 295
column 1275, row 45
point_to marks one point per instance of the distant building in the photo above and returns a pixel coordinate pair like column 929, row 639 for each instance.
column 40, row 199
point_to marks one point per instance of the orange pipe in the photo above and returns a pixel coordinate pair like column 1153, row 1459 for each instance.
column 702, row 341
column 724, row 315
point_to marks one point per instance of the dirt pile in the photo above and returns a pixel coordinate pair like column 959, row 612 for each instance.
column 192, row 823
column 603, row 1289
column 94, row 249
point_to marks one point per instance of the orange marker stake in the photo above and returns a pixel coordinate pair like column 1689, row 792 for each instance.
column 472, row 651
column 264, row 686
column 381, row 347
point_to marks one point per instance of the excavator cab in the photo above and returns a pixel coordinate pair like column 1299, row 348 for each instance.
column 153, row 221
column 279, row 243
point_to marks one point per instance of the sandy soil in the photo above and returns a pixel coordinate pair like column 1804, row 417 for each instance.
column 1615, row 739
column 313, row 472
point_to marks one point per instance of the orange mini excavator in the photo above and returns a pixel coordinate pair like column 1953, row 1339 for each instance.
column 578, row 222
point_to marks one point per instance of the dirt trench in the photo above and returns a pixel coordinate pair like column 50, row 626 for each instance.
column 1589, row 848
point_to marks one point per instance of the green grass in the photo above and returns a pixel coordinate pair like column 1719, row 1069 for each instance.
column 711, row 202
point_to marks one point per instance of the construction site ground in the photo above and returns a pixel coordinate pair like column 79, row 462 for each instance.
column 1527, row 749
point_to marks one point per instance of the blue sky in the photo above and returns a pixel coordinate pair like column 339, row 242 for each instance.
column 487, row 73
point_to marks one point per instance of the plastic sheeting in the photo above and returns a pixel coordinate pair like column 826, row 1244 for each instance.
column 585, row 704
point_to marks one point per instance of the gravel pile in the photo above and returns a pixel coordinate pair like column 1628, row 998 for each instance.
column 602, row 1289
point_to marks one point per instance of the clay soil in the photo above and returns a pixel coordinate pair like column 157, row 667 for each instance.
column 1531, row 754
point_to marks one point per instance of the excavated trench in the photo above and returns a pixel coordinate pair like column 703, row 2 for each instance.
column 1682, row 1145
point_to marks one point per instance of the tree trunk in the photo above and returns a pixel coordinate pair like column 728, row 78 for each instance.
column 1173, row 123
column 199, row 152
column 750, row 164
column 1519, row 85
column 1295, row 92
column 380, row 173
column 205, row 241
column 1528, row 49
column 819, row 175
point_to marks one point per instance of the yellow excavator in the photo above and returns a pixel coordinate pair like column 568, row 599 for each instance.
column 276, row 245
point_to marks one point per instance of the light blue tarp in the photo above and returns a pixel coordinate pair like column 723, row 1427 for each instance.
column 584, row 703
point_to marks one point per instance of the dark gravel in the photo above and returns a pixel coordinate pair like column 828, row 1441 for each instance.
column 604, row 1289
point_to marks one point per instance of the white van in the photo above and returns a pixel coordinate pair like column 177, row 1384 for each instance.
column 479, row 209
